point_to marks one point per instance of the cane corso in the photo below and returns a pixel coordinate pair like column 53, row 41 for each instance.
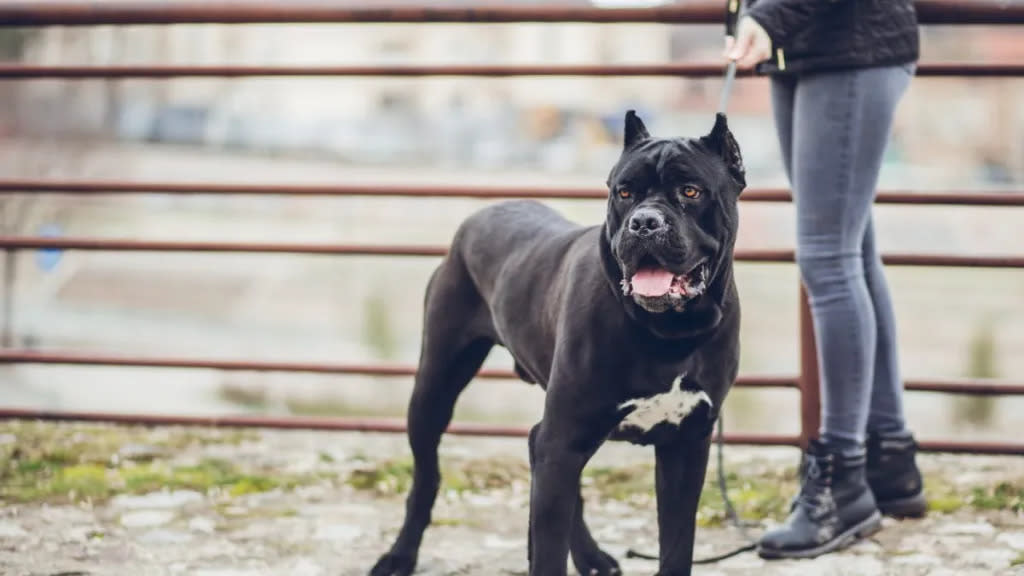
column 631, row 327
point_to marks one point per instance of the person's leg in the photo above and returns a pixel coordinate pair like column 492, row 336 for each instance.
column 839, row 130
column 841, row 127
column 783, row 94
column 885, row 413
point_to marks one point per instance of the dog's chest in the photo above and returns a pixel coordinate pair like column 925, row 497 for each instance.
column 650, row 419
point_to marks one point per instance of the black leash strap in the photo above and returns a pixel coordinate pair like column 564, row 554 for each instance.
column 733, row 11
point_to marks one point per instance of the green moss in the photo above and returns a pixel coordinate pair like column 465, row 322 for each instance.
column 1003, row 496
column 388, row 477
column 945, row 504
column 621, row 483
column 755, row 497
column 75, row 463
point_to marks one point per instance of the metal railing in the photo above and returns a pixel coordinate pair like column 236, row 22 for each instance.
column 53, row 13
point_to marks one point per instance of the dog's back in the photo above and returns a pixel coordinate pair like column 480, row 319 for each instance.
column 495, row 242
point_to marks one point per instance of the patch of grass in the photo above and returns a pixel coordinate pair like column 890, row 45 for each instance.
column 1003, row 496
column 942, row 497
column 78, row 463
column 392, row 477
column 634, row 483
column 1018, row 561
column 388, row 477
column 484, row 474
column 755, row 497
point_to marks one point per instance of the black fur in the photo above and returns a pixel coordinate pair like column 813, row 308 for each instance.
column 521, row 276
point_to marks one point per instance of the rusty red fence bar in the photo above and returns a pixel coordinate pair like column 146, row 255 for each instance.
column 68, row 13
column 483, row 191
column 98, row 244
column 981, row 387
column 699, row 70
column 386, row 370
column 398, row 426
column 308, row 423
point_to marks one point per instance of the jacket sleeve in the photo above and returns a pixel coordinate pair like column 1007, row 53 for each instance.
column 783, row 18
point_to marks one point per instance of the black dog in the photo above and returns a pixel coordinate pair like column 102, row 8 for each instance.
column 632, row 328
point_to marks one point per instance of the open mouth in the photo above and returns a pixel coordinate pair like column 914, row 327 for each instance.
column 653, row 281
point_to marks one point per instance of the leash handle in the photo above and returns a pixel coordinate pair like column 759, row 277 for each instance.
column 733, row 11
column 732, row 17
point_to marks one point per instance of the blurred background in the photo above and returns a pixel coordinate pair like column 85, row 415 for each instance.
column 950, row 134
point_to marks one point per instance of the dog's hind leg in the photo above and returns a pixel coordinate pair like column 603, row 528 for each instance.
column 453, row 349
column 587, row 556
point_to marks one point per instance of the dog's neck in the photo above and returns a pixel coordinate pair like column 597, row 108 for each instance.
column 675, row 326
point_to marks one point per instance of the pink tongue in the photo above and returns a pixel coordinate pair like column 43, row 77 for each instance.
column 652, row 282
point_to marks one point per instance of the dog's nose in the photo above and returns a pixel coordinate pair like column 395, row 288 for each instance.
column 646, row 221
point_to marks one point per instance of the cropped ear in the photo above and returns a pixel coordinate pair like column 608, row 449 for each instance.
column 721, row 142
column 635, row 129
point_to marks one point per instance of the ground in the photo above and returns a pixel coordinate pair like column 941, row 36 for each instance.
column 107, row 500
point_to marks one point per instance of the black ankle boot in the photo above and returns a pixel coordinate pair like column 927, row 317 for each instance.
column 893, row 475
column 835, row 507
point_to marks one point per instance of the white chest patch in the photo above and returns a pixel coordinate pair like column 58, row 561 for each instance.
column 671, row 406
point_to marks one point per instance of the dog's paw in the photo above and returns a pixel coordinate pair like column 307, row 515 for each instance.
column 597, row 563
column 394, row 564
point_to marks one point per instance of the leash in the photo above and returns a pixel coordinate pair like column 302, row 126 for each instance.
column 732, row 17
column 733, row 11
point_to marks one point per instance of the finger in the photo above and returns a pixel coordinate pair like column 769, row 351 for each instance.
column 742, row 46
column 751, row 58
column 757, row 54
column 729, row 43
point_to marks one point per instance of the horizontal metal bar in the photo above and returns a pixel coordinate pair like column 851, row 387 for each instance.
column 967, row 386
column 119, row 245
column 698, row 70
column 398, row 426
column 77, row 13
column 484, row 191
column 977, row 387
column 66, row 72
column 94, row 359
column 221, row 247
column 307, row 423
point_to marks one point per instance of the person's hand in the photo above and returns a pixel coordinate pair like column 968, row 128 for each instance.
column 751, row 45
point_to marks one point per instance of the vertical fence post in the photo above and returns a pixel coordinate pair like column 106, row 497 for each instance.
column 7, row 331
column 810, row 391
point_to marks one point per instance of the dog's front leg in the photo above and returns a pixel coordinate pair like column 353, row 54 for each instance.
column 554, row 494
column 681, row 467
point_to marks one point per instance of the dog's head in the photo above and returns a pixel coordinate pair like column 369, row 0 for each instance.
column 672, row 219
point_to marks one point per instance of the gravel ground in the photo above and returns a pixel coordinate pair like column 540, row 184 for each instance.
column 346, row 502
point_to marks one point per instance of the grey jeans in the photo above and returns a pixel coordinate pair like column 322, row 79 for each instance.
column 833, row 129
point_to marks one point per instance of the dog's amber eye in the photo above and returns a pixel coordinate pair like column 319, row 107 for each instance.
column 623, row 193
column 691, row 192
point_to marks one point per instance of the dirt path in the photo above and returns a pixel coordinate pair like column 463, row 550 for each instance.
column 86, row 500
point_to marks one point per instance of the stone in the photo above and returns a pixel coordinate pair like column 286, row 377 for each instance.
column 157, row 500
column 11, row 530
column 1014, row 540
column 202, row 524
column 146, row 518
column 165, row 537
column 973, row 528
column 139, row 452
column 338, row 532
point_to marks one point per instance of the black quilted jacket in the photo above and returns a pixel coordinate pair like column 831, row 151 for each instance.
column 822, row 35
